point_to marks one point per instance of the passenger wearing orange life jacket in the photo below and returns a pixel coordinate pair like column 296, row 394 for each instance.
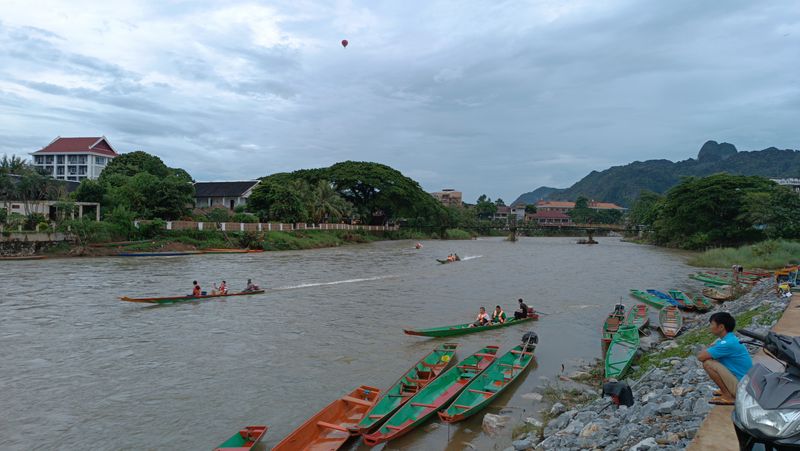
column 196, row 289
column 223, row 288
column 482, row 319
column 498, row 316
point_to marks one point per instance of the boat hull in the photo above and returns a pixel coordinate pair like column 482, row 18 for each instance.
column 622, row 351
column 463, row 329
column 649, row 299
column 174, row 299
column 243, row 440
column 670, row 321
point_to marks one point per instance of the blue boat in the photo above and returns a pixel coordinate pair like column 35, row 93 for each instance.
column 665, row 297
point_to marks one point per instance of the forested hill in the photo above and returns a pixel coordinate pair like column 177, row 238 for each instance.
column 536, row 195
column 622, row 184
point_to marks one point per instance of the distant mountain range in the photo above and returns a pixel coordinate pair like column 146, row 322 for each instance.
column 622, row 184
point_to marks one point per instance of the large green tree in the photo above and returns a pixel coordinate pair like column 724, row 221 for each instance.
column 700, row 212
column 776, row 212
column 645, row 209
column 484, row 207
column 582, row 214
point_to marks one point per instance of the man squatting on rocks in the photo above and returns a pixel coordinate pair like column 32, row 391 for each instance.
column 726, row 361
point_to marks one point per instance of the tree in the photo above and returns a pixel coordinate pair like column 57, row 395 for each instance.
column 90, row 191
column 700, row 212
column 485, row 208
column 581, row 214
column 327, row 203
column 530, row 208
column 776, row 212
column 499, row 202
column 130, row 164
column 14, row 165
column 645, row 209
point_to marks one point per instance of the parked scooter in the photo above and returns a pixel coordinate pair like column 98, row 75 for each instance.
column 767, row 412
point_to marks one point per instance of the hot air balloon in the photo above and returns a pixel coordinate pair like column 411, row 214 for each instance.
column 344, row 43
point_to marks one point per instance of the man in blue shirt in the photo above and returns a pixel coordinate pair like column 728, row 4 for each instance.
column 726, row 361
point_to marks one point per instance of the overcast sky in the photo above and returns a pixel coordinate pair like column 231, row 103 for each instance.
column 483, row 96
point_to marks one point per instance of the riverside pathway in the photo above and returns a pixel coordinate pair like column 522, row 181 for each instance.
column 716, row 432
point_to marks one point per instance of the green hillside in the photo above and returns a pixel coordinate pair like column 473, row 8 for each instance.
column 622, row 184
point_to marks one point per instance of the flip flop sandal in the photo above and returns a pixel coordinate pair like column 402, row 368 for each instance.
column 721, row 402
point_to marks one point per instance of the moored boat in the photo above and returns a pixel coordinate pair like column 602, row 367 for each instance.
column 433, row 397
column 173, row 299
column 664, row 296
column 331, row 427
column 462, row 329
column 649, row 299
column 702, row 303
column 638, row 316
column 685, row 302
column 723, row 293
column 424, row 372
column 610, row 327
column 621, row 351
column 243, row 440
column 670, row 321
column 482, row 390
column 157, row 254
column 231, row 251
column 23, row 257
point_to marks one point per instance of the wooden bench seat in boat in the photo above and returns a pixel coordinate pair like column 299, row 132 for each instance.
column 327, row 425
column 352, row 400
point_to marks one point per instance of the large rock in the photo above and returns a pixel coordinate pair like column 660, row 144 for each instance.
column 589, row 430
column 557, row 409
column 492, row 424
column 645, row 444
column 533, row 396
column 522, row 445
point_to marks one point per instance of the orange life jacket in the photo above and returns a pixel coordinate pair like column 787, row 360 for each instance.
column 497, row 316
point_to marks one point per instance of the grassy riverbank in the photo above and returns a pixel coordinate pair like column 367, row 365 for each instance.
column 771, row 254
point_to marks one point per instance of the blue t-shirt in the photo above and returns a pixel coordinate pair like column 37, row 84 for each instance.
column 732, row 355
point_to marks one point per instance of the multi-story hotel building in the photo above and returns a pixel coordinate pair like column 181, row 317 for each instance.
column 75, row 159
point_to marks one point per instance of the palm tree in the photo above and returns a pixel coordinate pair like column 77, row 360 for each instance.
column 326, row 202
column 14, row 165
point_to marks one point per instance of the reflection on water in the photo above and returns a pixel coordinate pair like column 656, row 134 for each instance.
column 97, row 373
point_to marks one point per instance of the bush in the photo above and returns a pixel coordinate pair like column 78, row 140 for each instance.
column 218, row 215
column 3, row 215
column 244, row 217
column 151, row 229
column 33, row 220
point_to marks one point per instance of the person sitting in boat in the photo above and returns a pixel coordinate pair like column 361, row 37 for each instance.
column 251, row 286
column 456, row 258
column 450, row 258
column 418, row 246
column 223, row 288
column 483, row 318
column 196, row 289
column 523, row 310
column 619, row 310
column 498, row 316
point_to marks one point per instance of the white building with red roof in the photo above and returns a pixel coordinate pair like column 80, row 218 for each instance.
column 75, row 159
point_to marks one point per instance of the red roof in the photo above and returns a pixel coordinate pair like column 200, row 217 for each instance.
column 549, row 214
column 98, row 145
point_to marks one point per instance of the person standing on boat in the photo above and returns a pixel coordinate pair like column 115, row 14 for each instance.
column 498, row 316
column 523, row 310
column 482, row 319
column 196, row 289
column 727, row 360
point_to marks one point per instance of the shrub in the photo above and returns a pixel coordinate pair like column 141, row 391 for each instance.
column 33, row 220
column 244, row 217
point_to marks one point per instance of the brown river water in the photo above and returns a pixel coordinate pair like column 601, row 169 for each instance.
column 80, row 369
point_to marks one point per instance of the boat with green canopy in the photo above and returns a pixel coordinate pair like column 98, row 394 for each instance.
column 467, row 328
column 684, row 302
column 433, row 397
column 649, row 299
column 173, row 299
column 243, row 440
column 621, row 351
column 638, row 316
column 421, row 374
column 488, row 386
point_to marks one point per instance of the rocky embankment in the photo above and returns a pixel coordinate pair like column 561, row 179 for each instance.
column 670, row 397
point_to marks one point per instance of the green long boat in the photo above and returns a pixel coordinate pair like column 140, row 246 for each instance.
column 173, row 299
column 707, row 278
column 433, row 397
column 649, row 299
column 702, row 303
column 621, row 351
column 638, row 316
column 462, row 329
column 488, row 386
column 684, row 302
column 420, row 375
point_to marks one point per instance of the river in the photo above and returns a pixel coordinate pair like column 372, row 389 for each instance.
column 82, row 370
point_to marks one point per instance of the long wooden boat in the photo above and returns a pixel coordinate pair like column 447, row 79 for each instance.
column 424, row 372
column 23, row 257
column 610, row 327
column 638, row 316
column 445, row 261
column 702, row 303
column 670, row 321
column 649, row 299
column 621, row 351
column 685, row 302
column 231, row 251
column 243, row 440
column 664, row 296
column 157, row 254
column 723, row 293
column 482, row 390
column 172, row 299
column 331, row 427
column 433, row 397
column 462, row 329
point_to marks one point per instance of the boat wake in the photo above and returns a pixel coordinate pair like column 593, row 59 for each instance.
column 472, row 257
column 337, row 282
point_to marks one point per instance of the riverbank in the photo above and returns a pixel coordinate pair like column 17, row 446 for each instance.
column 199, row 240
column 671, row 390
column 770, row 254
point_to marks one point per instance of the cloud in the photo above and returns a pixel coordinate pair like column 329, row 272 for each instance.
column 494, row 98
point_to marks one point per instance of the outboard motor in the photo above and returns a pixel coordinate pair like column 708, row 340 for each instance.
column 767, row 412
column 529, row 341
